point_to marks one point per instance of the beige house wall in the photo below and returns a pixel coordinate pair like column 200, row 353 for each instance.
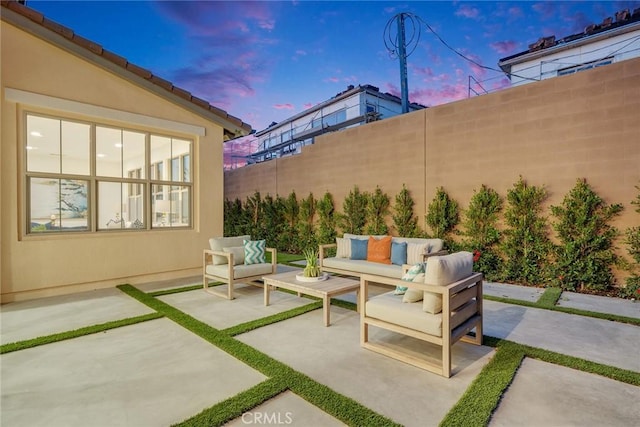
column 551, row 132
column 33, row 266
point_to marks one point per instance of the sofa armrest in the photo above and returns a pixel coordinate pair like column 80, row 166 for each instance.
column 323, row 248
column 450, row 289
column 274, row 257
column 207, row 254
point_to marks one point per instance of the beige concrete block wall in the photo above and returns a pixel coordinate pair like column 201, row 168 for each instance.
column 44, row 265
column 552, row 132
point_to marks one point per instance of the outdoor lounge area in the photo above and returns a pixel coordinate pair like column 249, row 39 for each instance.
column 166, row 353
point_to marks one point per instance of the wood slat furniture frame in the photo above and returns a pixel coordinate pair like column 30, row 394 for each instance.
column 207, row 256
column 461, row 309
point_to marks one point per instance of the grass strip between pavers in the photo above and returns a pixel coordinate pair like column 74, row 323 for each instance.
column 48, row 339
column 339, row 406
column 549, row 297
column 188, row 288
column 237, row 405
column 568, row 310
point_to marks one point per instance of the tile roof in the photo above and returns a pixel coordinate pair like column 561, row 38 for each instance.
column 233, row 126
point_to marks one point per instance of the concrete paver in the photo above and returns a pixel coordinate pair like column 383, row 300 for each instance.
column 525, row 293
column 619, row 306
column 568, row 398
column 148, row 374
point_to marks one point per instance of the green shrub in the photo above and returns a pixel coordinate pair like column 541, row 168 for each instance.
column 632, row 239
column 305, row 227
column 353, row 218
column 233, row 218
column 585, row 254
column 272, row 220
column 443, row 216
column 291, row 209
column 404, row 221
column 377, row 210
column 526, row 244
column 481, row 232
column 326, row 219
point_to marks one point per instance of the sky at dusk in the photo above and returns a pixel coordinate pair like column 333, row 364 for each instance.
column 265, row 61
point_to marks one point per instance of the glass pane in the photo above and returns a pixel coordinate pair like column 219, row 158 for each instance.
column 133, row 151
column 160, row 153
column 180, row 149
column 175, row 169
column 58, row 205
column 43, row 144
column 171, row 206
column 108, row 152
column 75, row 148
column 120, row 206
column 186, row 168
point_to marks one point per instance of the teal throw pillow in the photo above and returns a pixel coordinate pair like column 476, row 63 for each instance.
column 409, row 276
column 398, row 253
column 254, row 251
column 359, row 249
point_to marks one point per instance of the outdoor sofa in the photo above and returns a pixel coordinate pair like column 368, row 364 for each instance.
column 351, row 261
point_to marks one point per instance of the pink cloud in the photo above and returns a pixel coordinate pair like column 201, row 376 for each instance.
column 332, row 80
column 286, row 106
column 467, row 11
column 504, row 47
column 235, row 151
column 515, row 12
column 442, row 95
column 546, row 9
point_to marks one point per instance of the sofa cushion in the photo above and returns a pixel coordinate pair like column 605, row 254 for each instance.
column 442, row 271
column 433, row 245
column 238, row 254
column 379, row 250
column 389, row 307
column 343, row 247
column 219, row 243
column 398, row 253
column 359, row 249
column 362, row 236
column 239, row 271
column 358, row 267
column 254, row 251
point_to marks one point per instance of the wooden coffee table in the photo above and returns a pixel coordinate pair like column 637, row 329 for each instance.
column 325, row 289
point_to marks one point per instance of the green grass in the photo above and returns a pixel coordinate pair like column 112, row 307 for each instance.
column 279, row 317
column 48, row 339
column 549, row 298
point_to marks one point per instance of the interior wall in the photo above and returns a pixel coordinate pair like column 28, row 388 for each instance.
column 551, row 133
column 41, row 265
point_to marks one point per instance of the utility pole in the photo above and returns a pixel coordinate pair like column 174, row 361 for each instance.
column 402, row 56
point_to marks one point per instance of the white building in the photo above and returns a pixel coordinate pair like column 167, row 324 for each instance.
column 599, row 44
column 353, row 107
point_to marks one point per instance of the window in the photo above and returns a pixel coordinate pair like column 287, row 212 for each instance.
column 586, row 66
column 87, row 177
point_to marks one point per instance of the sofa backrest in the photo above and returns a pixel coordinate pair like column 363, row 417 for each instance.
column 218, row 243
column 434, row 245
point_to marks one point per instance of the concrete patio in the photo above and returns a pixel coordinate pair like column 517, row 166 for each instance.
column 157, row 373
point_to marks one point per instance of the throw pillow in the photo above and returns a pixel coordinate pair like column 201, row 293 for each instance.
column 343, row 248
column 359, row 249
column 254, row 252
column 414, row 295
column 398, row 253
column 238, row 254
column 415, row 252
column 379, row 250
column 408, row 277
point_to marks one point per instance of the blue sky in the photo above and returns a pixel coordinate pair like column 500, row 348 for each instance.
column 264, row 61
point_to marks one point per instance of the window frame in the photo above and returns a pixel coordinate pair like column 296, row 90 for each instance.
column 130, row 179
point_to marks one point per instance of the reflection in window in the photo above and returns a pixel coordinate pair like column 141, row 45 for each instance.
column 58, row 204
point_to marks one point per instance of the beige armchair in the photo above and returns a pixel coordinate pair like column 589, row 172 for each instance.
column 224, row 262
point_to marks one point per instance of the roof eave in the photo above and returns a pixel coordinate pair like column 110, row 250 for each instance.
column 37, row 25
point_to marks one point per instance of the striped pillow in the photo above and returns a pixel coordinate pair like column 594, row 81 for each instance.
column 415, row 252
column 254, row 251
column 344, row 248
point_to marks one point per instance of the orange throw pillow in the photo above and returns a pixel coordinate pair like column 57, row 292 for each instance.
column 379, row 250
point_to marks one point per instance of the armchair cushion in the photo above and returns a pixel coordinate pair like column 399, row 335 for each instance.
column 443, row 270
column 254, row 251
column 239, row 271
column 387, row 306
column 414, row 295
column 219, row 243
column 238, row 254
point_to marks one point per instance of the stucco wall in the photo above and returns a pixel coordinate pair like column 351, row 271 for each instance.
column 43, row 265
column 551, row 132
